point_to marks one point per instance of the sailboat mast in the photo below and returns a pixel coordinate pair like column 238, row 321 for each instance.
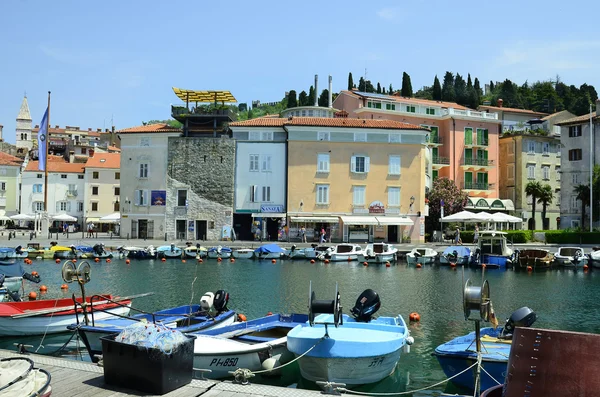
column 46, row 157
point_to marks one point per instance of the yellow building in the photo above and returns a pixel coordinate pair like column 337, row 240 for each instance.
column 102, row 188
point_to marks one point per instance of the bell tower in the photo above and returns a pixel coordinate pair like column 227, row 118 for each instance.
column 23, row 130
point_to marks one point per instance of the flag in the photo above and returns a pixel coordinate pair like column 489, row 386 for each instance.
column 42, row 142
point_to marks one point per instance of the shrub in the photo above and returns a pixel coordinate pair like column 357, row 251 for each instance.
column 572, row 237
column 519, row 236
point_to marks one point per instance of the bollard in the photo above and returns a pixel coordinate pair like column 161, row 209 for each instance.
column 127, row 236
column 165, row 236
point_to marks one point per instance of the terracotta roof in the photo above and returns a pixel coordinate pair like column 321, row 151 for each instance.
column 511, row 110
column 104, row 160
column 578, row 120
column 72, row 130
column 113, row 149
column 55, row 166
column 418, row 101
column 93, row 133
column 7, row 159
column 161, row 127
column 327, row 122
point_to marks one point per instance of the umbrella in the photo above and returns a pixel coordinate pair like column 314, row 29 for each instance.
column 114, row 217
column 4, row 218
column 22, row 217
column 502, row 217
column 64, row 218
column 462, row 216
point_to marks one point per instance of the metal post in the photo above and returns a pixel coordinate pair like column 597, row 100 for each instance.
column 591, row 169
column 478, row 348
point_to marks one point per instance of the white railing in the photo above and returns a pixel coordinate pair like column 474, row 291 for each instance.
column 400, row 107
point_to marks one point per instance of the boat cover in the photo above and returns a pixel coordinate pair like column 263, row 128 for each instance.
column 12, row 270
column 268, row 249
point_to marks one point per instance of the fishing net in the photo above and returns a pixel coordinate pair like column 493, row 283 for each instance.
column 152, row 336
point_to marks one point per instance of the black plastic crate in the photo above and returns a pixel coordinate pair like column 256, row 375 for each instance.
column 147, row 370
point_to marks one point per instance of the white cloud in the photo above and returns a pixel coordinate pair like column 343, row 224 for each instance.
column 389, row 13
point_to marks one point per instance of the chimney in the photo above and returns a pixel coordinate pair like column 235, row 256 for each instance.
column 89, row 129
column 330, row 101
column 597, row 111
column 71, row 157
column 500, row 102
column 1, row 133
column 316, row 90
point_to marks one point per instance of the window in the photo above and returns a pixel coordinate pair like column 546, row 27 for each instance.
column 546, row 148
column 393, row 197
column 359, row 164
column 254, row 136
column 574, row 131
column 360, row 137
column 37, row 188
column 410, row 109
column 266, row 163
column 116, row 206
column 394, row 165
column 358, row 195
column 266, row 193
column 79, row 176
column 80, row 206
column 254, row 162
column 94, row 190
column 430, row 111
column 72, row 189
column 253, row 196
column 557, row 197
column 95, row 206
column 117, row 191
column 323, row 162
column 575, row 179
column 575, row 223
column 83, row 150
column 40, row 176
column 575, row 154
column 141, row 197
column 63, row 206
column 63, row 176
column 394, row 138
column 375, row 105
column 266, row 136
column 143, row 173
column 145, row 141
column 322, row 194
column 546, row 172
column 468, row 136
column 38, row 206
column 3, row 186
column 574, row 203
column 557, row 172
column 181, row 198
column 96, row 175
column 323, row 135
column 390, row 106
column 117, row 175
column 530, row 147
column 531, row 171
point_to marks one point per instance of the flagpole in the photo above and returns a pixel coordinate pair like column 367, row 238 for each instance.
column 46, row 158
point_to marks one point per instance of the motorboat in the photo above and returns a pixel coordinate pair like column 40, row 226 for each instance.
column 212, row 312
column 460, row 353
column 194, row 252
column 425, row 256
column 380, row 252
column 315, row 251
column 343, row 252
column 296, row 253
column 11, row 281
column 61, row 252
column 7, row 256
column 493, row 251
column 570, row 257
column 456, row 254
column 242, row 253
column 34, row 251
column 594, row 257
column 169, row 251
column 534, row 258
column 259, row 344
column 353, row 350
column 219, row 252
column 19, row 377
column 97, row 251
column 137, row 252
column 268, row 251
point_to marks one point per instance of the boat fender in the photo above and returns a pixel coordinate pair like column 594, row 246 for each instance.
column 271, row 363
column 410, row 340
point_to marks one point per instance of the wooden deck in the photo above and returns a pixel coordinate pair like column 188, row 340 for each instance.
column 72, row 378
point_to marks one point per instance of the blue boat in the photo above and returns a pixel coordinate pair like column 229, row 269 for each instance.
column 460, row 353
column 352, row 350
column 493, row 251
column 11, row 276
column 169, row 251
column 219, row 252
column 457, row 254
column 269, row 251
column 9, row 255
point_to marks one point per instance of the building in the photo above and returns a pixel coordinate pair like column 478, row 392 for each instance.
column 102, row 191
column 576, row 149
column 73, row 141
column 463, row 142
column 23, row 139
column 513, row 119
column 10, row 179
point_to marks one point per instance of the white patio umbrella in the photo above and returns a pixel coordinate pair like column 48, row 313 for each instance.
column 64, row 218
column 502, row 217
column 112, row 218
column 462, row 216
column 22, row 217
column 4, row 218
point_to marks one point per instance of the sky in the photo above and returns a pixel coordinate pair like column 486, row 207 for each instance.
column 118, row 60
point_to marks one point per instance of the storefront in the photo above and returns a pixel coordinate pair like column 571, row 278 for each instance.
column 270, row 223
column 313, row 225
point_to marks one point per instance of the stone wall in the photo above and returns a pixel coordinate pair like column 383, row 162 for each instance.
column 205, row 167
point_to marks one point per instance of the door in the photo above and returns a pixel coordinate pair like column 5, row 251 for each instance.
column 151, row 229
column 272, row 229
column 201, row 230
column 468, row 180
column 482, row 180
column 180, row 229
column 392, row 233
column 242, row 224
column 468, row 136
column 434, row 134
column 134, row 229
column 143, row 228
column 468, row 156
column 434, row 154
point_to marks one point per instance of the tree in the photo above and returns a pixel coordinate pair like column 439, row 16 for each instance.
column 378, row 88
column 545, row 199
column 581, row 105
column 350, row 82
column 361, row 85
column 250, row 114
column 492, row 86
column 448, row 88
column 424, row 93
column 454, row 201
column 437, row 89
column 311, row 96
column 406, row 90
column 477, row 87
column 460, row 90
column 292, row 102
column 324, row 98
column 303, row 99
column 369, row 86
column 391, row 89
column 169, row 122
column 583, row 195
column 533, row 189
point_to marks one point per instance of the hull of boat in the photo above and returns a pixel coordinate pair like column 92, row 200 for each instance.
column 270, row 255
column 595, row 263
column 215, row 255
column 568, row 262
column 194, row 254
column 382, row 258
column 343, row 257
column 242, row 255
column 454, row 365
column 424, row 260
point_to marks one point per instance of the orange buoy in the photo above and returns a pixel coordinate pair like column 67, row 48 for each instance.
column 232, row 260
column 64, row 286
column 108, row 260
column 326, row 260
column 242, row 317
column 26, row 261
column 388, row 264
column 529, row 268
column 183, row 261
column 32, row 296
column 97, row 260
column 163, row 260
column 585, row 267
column 34, row 273
column 269, row 313
column 57, row 260
column 349, row 259
column 483, row 265
column 219, row 259
column 419, row 266
column 365, row 263
column 273, row 260
column 200, row 260
column 43, row 288
column 414, row 316
column 312, row 261
column 127, row 261
column 452, row 264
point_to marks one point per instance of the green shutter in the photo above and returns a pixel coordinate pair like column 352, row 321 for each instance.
column 485, row 137
column 485, row 155
column 435, row 174
column 434, row 152
column 468, row 156
column 479, row 136
column 468, row 178
column 434, row 134
column 468, row 136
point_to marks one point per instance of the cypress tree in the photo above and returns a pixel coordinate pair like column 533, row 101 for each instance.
column 448, row 87
column 311, row 96
column 378, row 88
column 491, row 86
column 437, row 89
column 324, row 98
column 477, row 87
column 406, row 90
column 350, row 82
column 292, row 102
column 361, row 85
column 391, row 89
column 303, row 99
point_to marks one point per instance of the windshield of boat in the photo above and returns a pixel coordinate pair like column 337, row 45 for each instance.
column 491, row 246
column 569, row 251
column 341, row 249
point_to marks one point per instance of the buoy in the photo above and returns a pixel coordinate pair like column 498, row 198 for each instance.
column 108, row 260
column 452, row 264
column 349, row 259
column 219, row 259
column 57, row 260
column 273, row 260
column 200, row 260
column 414, row 316
column 183, row 261
column 34, row 273
column 43, row 288
column 419, row 266
column 483, row 265
column 163, row 260
column 232, row 260
column 585, row 267
column 32, row 296
column 388, row 264
column 64, row 286
column 97, row 260
column 242, row 317
column 529, row 268
column 26, row 261
column 269, row 313
column 127, row 261
column 326, row 260
column 312, row 261
column 365, row 263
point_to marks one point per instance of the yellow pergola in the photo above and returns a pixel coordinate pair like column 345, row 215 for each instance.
column 204, row 96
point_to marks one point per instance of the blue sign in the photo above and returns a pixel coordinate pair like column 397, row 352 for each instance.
column 271, row 208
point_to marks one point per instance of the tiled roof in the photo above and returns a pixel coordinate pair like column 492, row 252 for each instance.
column 161, row 127
column 72, row 130
column 327, row 122
column 104, row 160
column 418, row 101
column 578, row 120
column 512, row 110
column 7, row 159
column 548, row 117
column 113, row 149
column 56, row 166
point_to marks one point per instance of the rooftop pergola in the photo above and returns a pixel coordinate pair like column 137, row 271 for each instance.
column 209, row 96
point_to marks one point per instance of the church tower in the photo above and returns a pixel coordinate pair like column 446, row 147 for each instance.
column 23, row 130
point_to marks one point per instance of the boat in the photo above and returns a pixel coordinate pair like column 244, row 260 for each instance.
column 380, row 252
column 169, row 251
column 50, row 316
column 460, row 353
column 594, row 257
column 60, row 252
column 425, row 256
column 570, row 257
column 316, row 250
column 493, row 251
column 194, row 252
column 20, row 378
column 343, row 252
column 11, row 281
column 534, row 258
column 351, row 350
column 7, row 256
column 296, row 253
column 137, row 252
column 212, row 312
column 34, row 251
column 242, row 253
column 457, row 255
column 259, row 344
column 219, row 252
column 269, row 251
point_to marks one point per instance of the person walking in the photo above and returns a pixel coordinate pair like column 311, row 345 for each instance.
column 303, row 234
column 322, row 235
column 457, row 239
column 476, row 234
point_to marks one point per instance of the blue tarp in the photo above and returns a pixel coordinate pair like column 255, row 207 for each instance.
column 460, row 249
column 269, row 248
column 13, row 270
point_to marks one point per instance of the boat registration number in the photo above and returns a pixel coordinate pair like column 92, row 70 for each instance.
column 377, row 361
column 228, row 362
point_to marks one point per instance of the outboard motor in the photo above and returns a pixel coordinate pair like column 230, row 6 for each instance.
column 172, row 247
column 523, row 317
column 293, row 248
column 97, row 249
column 206, row 302
column 220, row 300
column 19, row 250
column 366, row 306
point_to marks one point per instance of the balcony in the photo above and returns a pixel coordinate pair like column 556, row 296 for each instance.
column 435, row 140
column 476, row 186
column 470, row 113
column 477, row 164
column 440, row 162
column 410, row 108
column 72, row 193
column 477, row 143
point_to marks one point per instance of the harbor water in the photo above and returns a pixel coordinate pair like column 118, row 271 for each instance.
column 563, row 299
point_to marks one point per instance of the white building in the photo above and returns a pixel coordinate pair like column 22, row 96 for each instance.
column 23, row 131
column 260, row 181
column 102, row 187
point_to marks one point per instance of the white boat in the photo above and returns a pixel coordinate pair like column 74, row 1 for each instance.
column 194, row 252
column 169, row 251
column 344, row 252
column 380, row 252
column 457, row 255
column 594, row 257
column 219, row 252
column 570, row 256
column 425, row 256
column 243, row 253
column 316, row 250
column 296, row 253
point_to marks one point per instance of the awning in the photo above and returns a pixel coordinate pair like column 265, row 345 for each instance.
column 359, row 220
column 394, row 220
column 97, row 220
column 315, row 219
column 268, row 215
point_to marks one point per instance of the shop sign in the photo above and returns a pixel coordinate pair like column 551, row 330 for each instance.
column 271, row 208
column 376, row 207
column 360, row 211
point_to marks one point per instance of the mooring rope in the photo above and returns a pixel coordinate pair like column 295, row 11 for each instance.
column 292, row 361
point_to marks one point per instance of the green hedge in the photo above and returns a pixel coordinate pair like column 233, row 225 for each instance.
column 570, row 237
